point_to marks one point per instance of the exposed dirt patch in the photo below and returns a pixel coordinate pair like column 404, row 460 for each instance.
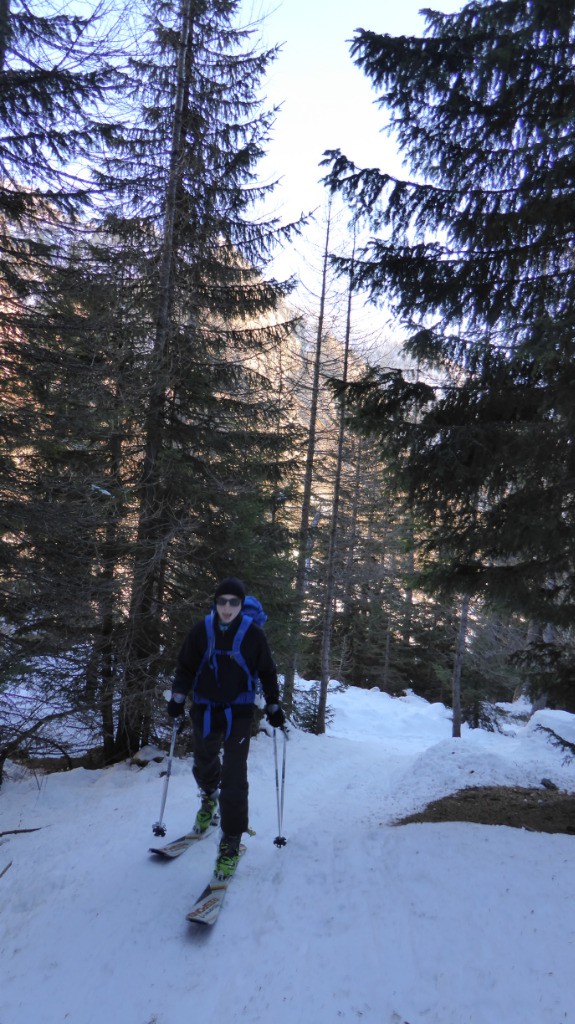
column 538, row 810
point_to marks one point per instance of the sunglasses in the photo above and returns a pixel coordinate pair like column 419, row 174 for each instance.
column 234, row 602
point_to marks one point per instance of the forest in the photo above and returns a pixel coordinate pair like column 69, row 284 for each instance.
column 171, row 413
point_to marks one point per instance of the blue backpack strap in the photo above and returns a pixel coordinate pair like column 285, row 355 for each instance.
column 236, row 649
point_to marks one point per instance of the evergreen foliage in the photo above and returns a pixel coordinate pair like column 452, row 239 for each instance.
column 146, row 449
column 55, row 73
column 157, row 387
column 474, row 253
column 214, row 439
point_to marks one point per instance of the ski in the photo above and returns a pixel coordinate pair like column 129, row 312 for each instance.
column 207, row 907
column 179, row 846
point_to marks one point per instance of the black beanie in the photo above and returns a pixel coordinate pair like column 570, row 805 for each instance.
column 231, row 585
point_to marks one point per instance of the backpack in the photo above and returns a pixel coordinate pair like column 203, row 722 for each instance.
column 254, row 609
column 251, row 612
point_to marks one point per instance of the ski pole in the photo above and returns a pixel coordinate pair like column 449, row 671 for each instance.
column 279, row 839
column 159, row 829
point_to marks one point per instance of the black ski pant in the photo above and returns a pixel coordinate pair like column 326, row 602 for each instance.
column 222, row 762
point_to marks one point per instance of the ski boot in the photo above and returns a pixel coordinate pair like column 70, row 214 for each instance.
column 207, row 814
column 228, row 857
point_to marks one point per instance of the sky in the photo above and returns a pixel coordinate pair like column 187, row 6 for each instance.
column 327, row 103
column 353, row 921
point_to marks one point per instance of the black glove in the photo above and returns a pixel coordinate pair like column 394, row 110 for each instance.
column 275, row 716
column 175, row 707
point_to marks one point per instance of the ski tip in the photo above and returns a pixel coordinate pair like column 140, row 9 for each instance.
column 206, row 911
column 200, row 921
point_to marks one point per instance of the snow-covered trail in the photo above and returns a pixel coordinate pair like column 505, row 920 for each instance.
column 353, row 921
column 381, row 919
column 100, row 915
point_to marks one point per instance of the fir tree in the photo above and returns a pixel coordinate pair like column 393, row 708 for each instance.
column 475, row 253
column 212, row 456
column 55, row 70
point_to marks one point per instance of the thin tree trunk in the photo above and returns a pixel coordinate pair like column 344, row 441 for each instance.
column 387, row 653
column 304, row 537
column 408, row 607
column 104, row 646
column 143, row 639
column 347, row 587
column 459, row 654
column 4, row 30
column 329, row 605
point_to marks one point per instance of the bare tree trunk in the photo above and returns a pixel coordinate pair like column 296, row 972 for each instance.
column 459, row 653
column 387, row 652
column 329, row 608
column 408, row 608
column 143, row 638
column 353, row 533
column 304, row 537
column 104, row 654
column 4, row 29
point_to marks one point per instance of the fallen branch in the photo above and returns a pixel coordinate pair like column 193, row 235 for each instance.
column 559, row 741
column 4, row 870
column 18, row 831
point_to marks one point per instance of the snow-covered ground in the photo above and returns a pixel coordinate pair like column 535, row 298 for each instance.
column 354, row 920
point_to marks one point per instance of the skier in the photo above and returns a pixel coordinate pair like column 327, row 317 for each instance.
column 221, row 683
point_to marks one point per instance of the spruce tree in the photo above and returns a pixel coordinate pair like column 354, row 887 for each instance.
column 212, row 457
column 474, row 253
column 148, row 450
column 55, row 73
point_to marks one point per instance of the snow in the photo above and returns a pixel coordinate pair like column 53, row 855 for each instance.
column 354, row 920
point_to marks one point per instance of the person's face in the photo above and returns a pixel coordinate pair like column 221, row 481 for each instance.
column 228, row 607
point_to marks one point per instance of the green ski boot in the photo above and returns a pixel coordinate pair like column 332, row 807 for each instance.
column 207, row 812
column 228, row 857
